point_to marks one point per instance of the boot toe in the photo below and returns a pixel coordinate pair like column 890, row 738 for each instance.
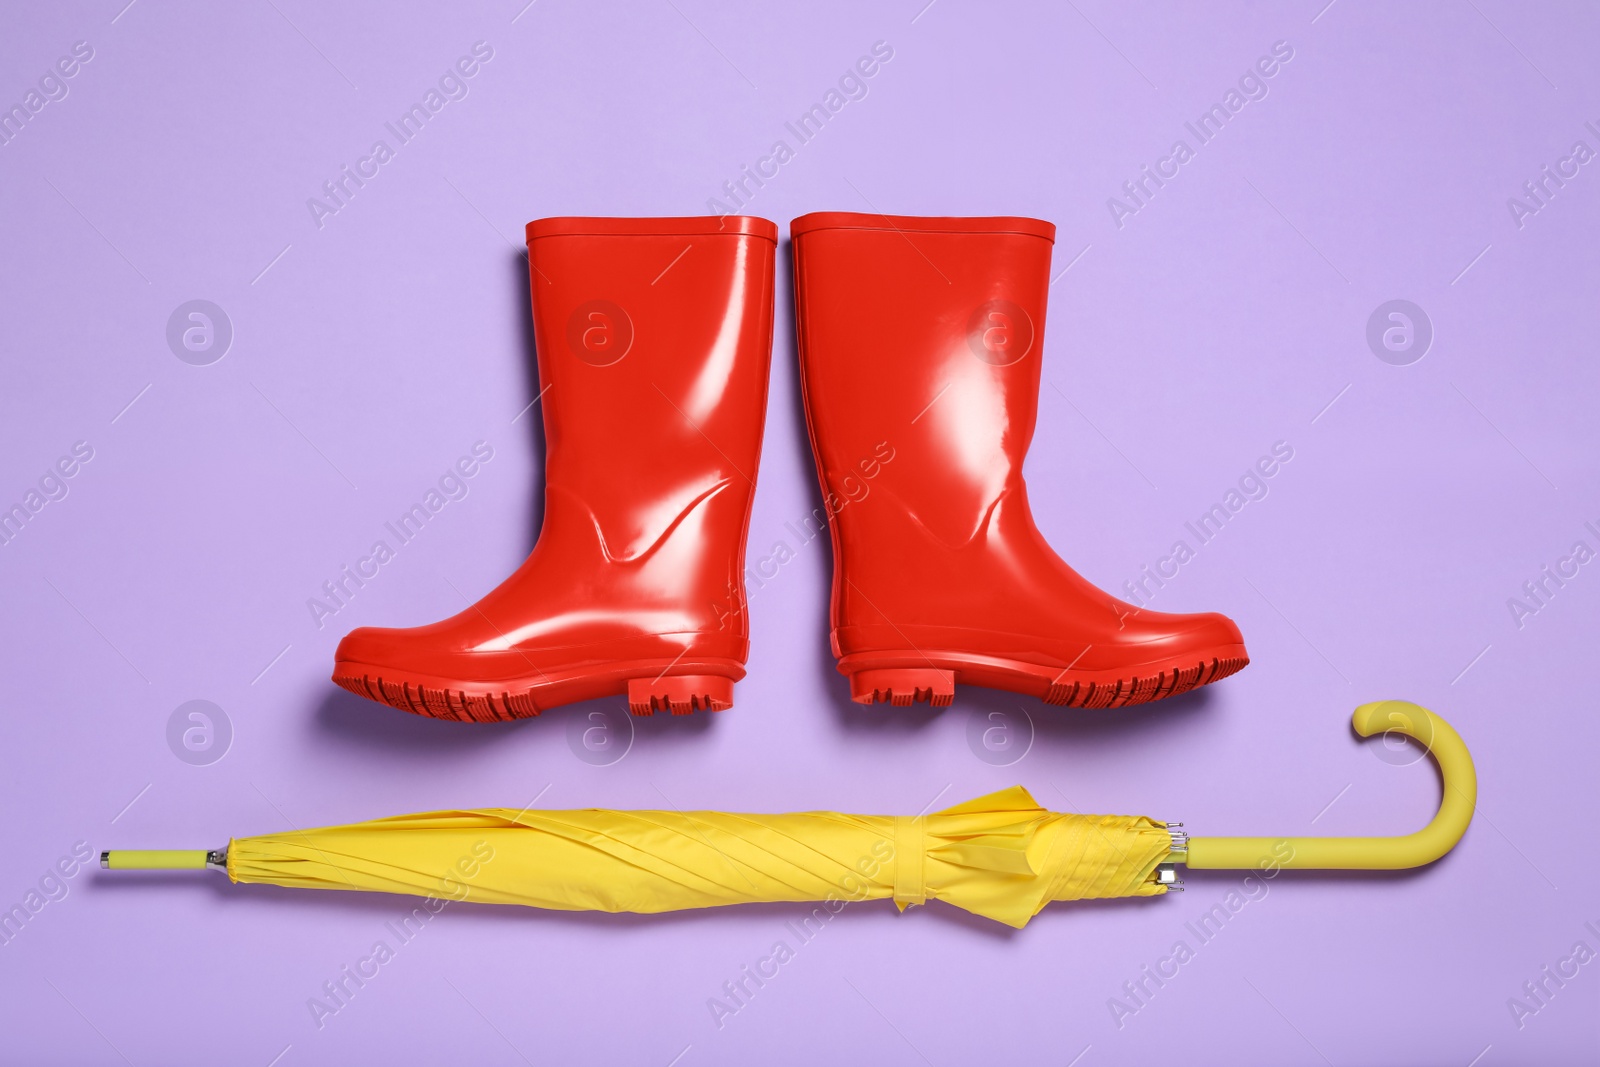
column 379, row 646
column 1212, row 629
column 1204, row 634
column 411, row 670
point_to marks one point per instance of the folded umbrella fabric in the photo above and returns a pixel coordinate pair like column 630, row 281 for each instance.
column 1001, row 856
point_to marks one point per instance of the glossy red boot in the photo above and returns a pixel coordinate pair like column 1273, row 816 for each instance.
column 920, row 349
column 654, row 339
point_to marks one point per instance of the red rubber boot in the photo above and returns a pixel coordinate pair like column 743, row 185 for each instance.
column 920, row 351
column 654, row 340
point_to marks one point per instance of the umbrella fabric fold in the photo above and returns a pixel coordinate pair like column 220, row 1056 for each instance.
column 1001, row 856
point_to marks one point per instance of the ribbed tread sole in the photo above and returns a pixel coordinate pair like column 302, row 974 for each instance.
column 905, row 696
column 436, row 703
column 1141, row 689
column 681, row 695
column 934, row 686
column 681, row 706
column 904, row 686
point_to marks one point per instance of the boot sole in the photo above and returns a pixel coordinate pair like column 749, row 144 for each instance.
column 691, row 685
column 904, row 678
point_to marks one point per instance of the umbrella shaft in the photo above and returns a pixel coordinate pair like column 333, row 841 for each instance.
column 192, row 859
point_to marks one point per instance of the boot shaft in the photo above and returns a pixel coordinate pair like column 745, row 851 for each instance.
column 654, row 343
column 920, row 347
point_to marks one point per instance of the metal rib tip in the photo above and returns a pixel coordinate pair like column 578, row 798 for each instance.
column 1167, row 875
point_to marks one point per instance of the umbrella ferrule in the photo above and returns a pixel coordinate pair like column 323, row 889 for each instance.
column 217, row 860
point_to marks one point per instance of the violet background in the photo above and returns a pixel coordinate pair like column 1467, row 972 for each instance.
column 1226, row 315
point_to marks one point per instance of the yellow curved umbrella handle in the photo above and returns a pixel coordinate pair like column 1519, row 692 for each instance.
column 1460, row 798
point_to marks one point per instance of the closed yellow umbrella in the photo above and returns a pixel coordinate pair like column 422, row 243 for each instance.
column 1001, row 856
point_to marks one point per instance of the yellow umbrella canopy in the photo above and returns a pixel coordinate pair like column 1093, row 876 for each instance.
column 1001, row 856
